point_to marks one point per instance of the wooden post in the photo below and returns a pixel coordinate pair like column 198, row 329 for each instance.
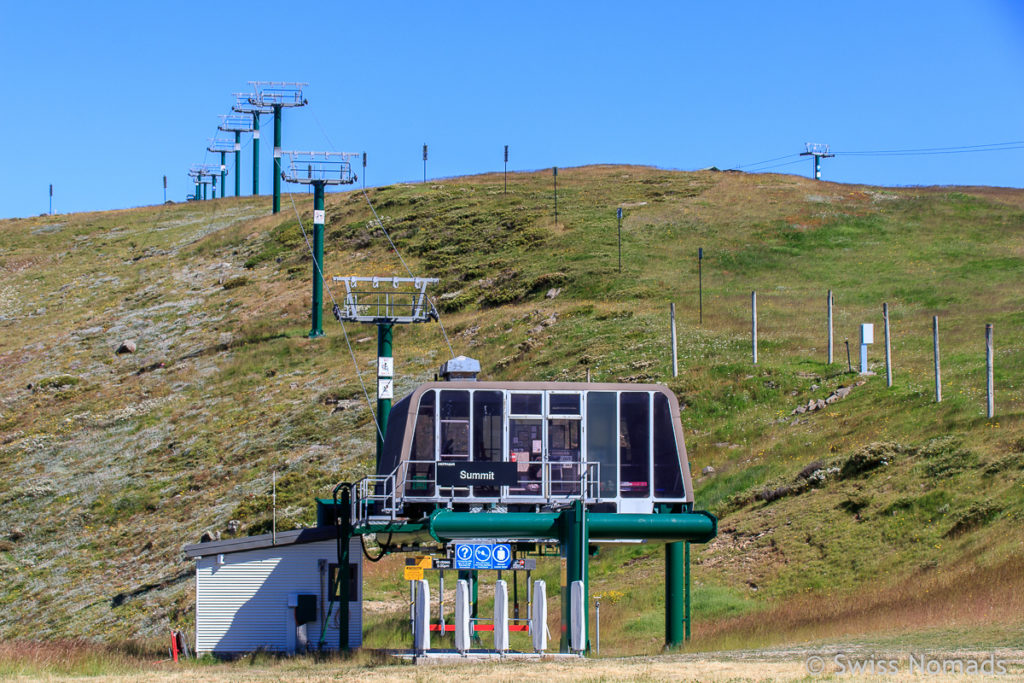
column 753, row 324
column 935, row 346
column 888, row 348
column 830, row 327
column 991, row 381
column 675, row 356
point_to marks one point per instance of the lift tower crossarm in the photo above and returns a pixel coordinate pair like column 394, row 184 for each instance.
column 819, row 151
column 243, row 106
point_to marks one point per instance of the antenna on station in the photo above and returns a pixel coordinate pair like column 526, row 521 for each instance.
column 223, row 146
column 318, row 169
column 243, row 105
column 276, row 95
column 819, row 151
column 238, row 124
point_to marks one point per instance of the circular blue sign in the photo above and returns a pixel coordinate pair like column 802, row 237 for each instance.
column 482, row 554
column 463, row 552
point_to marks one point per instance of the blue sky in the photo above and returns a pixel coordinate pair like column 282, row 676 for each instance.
column 105, row 98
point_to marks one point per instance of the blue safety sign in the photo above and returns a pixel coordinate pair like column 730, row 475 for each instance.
column 483, row 556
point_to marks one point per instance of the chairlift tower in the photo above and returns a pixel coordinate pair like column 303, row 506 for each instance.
column 277, row 95
column 243, row 106
column 237, row 124
column 223, row 146
column 203, row 175
column 385, row 302
column 819, row 151
column 318, row 169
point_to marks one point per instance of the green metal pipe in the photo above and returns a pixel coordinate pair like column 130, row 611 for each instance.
column 238, row 161
column 277, row 158
column 698, row 527
column 223, row 176
column 675, row 589
column 255, row 154
column 213, row 187
column 317, row 313
column 385, row 332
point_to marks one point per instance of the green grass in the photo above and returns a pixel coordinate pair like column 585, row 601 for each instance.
column 225, row 388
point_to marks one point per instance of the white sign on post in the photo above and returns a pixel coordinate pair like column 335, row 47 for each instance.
column 867, row 333
column 318, row 216
column 385, row 367
column 385, row 387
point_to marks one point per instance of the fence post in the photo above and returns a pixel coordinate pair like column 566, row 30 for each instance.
column 675, row 356
column 830, row 327
column 888, row 349
column 935, row 346
column 753, row 324
column 988, row 363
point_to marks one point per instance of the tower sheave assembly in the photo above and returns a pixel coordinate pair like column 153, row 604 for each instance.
column 277, row 95
column 819, row 152
column 223, row 146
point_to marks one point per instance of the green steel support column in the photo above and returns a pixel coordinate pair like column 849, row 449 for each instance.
column 688, row 587
column 277, row 158
column 204, row 190
column 343, row 562
column 255, row 154
column 213, row 187
column 317, row 312
column 384, row 335
column 574, row 546
column 223, row 175
column 196, row 195
column 238, row 162
column 675, row 594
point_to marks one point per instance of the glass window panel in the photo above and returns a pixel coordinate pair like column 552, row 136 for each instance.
column 488, row 414
column 420, row 472
column 564, row 404
column 668, row 475
column 564, row 456
column 525, row 441
column 454, row 424
column 601, row 439
column 526, row 404
column 634, row 444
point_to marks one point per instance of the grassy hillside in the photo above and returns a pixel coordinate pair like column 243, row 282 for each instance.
column 882, row 512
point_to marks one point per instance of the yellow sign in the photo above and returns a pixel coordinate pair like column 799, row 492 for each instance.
column 424, row 562
column 413, row 573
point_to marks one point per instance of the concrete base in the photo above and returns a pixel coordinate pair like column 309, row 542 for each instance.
column 448, row 656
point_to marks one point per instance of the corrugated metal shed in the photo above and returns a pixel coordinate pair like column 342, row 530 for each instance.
column 244, row 588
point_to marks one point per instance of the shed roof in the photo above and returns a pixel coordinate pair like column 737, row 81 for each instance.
column 234, row 545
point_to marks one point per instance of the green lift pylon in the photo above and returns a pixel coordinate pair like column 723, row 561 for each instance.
column 244, row 105
column 238, row 123
column 275, row 96
column 385, row 302
column 318, row 169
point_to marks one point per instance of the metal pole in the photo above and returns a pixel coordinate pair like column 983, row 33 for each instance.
column 255, row 154
column 204, row 190
column 849, row 363
column 574, row 540
column 991, row 379
column 888, row 347
column 700, row 285
column 440, row 600
column 165, row 193
column 829, row 306
column 316, row 312
column 384, row 337
column 277, row 158
column 273, row 505
column 223, row 175
column 688, row 591
column 506, row 169
column 753, row 324
column 555, row 175
column 364, row 170
column 817, row 167
column 51, row 194
column 213, row 187
column 424, row 162
column 675, row 602
column 935, row 346
column 619, row 214
column 597, row 624
column 343, row 569
column 675, row 355
column 238, row 163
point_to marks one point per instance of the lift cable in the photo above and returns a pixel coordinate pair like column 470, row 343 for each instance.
column 327, row 288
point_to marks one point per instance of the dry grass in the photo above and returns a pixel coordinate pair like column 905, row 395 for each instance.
column 959, row 597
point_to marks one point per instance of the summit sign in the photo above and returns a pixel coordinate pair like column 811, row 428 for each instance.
column 476, row 474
